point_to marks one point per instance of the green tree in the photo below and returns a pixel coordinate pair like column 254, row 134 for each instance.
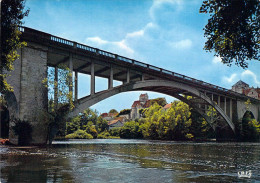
column 12, row 13
column 113, row 111
column 62, row 103
column 250, row 128
column 131, row 130
column 161, row 101
column 101, row 124
column 233, row 30
column 125, row 111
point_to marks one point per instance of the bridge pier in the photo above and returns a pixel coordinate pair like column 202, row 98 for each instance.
column 29, row 92
column 92, row 80
column 110, row 80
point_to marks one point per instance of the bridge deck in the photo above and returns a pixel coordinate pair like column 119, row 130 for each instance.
column 59, row 50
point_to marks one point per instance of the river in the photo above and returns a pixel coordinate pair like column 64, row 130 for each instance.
column 119, row 161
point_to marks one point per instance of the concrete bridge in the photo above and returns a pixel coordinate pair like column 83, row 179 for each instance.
column 30, row 96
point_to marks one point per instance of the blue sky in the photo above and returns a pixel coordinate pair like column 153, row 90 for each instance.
column 164, row 33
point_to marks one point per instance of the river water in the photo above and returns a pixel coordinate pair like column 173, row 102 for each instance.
column 119, row 161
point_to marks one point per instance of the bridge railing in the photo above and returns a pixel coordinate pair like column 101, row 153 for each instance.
column 58, row 40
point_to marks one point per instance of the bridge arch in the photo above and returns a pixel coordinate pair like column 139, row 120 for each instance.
column 174, row 90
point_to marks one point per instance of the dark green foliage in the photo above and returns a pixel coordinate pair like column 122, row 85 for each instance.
column 113, row 111
column 115, row 132
column 104, row 135
column 199, row 127
column 23, row 129
column 233, row 30
column 12, row 13
column 131, row 130
column 4, row 119
column 161, row 101
column 101, row 124
column 125, row 111
column 79, row 134
column 89, row 122
column 250, row 128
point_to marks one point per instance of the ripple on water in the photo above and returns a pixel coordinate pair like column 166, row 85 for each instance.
column 132, row 161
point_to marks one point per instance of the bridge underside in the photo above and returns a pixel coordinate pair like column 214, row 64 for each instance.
column 199, row 101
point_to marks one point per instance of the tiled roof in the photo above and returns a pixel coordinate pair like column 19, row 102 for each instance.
column 104, row 115
column 136, row 103
column 246, row 91
column 108, row 114
column 113, row 122
column 167, row 106
column 120, row 118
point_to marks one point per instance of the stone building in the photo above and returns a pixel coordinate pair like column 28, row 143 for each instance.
column 143, row 102
column 252, row 92
column 243, row 88
column 240, row 86
column 115, row 123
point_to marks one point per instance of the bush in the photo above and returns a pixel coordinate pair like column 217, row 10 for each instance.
column 106, row 135
column 114, row 132
column 79, row 134
column 131, row 130
column 24, row 131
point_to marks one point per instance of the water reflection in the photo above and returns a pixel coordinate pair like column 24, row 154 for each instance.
column 131, row 161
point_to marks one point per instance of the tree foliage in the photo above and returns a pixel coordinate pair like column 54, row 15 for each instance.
column 113, row 111
column 62, row 104
column 250, row 128
column 12, row 13
column 161, row 101
column 233, row 30
column 124, row 112
column 89, row 122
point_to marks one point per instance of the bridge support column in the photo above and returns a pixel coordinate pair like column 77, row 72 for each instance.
column 71, row 72
column 225, row 105
column 56, row 87
column 142, row 77
column 110, row 80
column 92, row 82
column 76, row 87
column 230, row 109
column 30, row 94
column 128, row 76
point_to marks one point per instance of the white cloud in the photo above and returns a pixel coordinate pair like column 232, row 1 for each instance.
column 122, row 44
column 230, row 79
column 97, row 40
column 135, row 34
column 251, row 74
column 216, row 60
column 159, row 3
column 183, row 44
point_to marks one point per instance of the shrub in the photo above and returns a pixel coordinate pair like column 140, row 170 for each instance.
column 189, row 136
column 114, row 132
column 106, row 135
column 131, row 130
column 23, row 129
column 79, row 134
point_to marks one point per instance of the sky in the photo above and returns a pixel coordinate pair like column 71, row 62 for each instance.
column 165, row 33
